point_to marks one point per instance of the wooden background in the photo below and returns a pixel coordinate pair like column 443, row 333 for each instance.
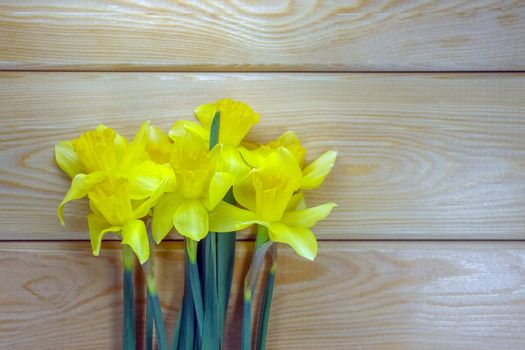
column 424, row 100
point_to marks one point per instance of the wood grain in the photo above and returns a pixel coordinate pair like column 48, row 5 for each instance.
column 421, row 156
column 379, row 296
column 268, row 35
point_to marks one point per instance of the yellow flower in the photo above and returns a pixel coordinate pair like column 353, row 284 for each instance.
column 200, row 187
column 100, row 153
column 267, row 193
column 115, row 211
column 236, row 119
column 312, row 175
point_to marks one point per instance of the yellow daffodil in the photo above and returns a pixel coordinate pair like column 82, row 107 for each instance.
column 237, row 119
column 200, row 187
column 115, row 211
column 312, row 175
column 100, row 153
column 267, row 193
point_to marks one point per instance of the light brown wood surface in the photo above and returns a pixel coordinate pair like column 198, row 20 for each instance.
column 377, row 296
column 421, row 156
column 264, row 35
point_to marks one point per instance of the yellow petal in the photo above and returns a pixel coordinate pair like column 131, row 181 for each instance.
column 98, row 227
column 291, row 142
column 145, row 178
column 308, row 217
column 205, row 113
column 159, row 145
column 134, row 234
column 228, row 218
column 244, row 192
column 191, row 219
column 144, row 207
column 302, row 240
column 163, row 214
column 314, row 174
column 184, row 127
column 228, row 159
column 67, row 159
column 219, row 186
column 297, row 202
column 80, row 186
column 255, row 157
column 136, row 150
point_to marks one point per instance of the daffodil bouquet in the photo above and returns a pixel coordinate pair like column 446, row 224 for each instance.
column 205, row 182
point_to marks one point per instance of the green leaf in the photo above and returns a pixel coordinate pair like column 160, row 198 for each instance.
column 214, row 130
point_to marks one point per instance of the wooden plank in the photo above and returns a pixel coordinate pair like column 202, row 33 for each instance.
column 426, row 156
column 377, row 296
column 379, row 35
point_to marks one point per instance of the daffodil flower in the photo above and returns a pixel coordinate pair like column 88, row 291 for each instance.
column 269, row 193
column 200, row 187
column 312, row 175
column 237, row 119
column 102, row 153
column 115, row 211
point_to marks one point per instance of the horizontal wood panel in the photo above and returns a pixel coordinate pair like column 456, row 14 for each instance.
column 354, row 296
column 263, row 36
column 425, row 156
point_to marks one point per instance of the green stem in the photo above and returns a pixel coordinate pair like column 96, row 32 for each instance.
column 184, row 336
column 210, row 336
column 262, row 245
column 154, row 316
column 159, row 320
column 246, row 335
column 149, row 324
column 195, row 285
column 264, row 314
column 226, row 243
column 176, row 333
column 128, row 342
